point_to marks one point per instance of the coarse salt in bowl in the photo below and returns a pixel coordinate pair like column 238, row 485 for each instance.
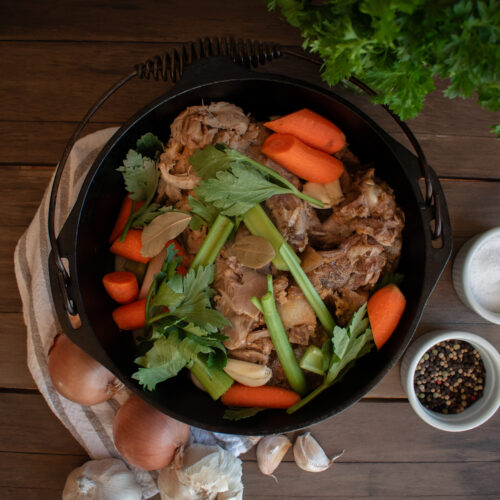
column 478, row 412
column 476, row 274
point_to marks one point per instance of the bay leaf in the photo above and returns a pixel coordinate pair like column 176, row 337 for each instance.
column 163, row 228
column 253, row 251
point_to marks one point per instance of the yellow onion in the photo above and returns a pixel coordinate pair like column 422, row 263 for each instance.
column 78, row 376
column 146, row 437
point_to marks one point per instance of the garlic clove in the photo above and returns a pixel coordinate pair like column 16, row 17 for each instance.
column 309, row 455
column 246, row 373
column 270, row 452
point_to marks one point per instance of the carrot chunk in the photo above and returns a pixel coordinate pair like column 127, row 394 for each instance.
column 385, row 308
column 123, row 216
column 131, row 316
column 130, row 247
column 311, row 128
column 121, row 286
column 265, row 396
column 305, row 162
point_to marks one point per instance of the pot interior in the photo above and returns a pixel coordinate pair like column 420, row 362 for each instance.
column 103, row 193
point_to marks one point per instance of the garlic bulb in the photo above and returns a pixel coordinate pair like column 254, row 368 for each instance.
column 270, row 452
column 207, row 473
column 106, row 479
column 246, row 373
column 309, row 455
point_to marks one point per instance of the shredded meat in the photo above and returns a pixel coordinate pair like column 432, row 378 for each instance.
column 347, row 302
column 197, row 127
column 293, row 217
column 357, row 263
column 236, row 284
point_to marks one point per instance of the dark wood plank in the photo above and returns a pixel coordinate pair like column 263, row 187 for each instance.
column 14, row 373
column 376, row 479
column 369, row 432
column 28, row 426
column 145, row 21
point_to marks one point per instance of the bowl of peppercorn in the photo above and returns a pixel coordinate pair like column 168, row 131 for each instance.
column 452, row 379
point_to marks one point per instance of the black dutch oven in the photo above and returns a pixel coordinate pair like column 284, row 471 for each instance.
column 83, row 239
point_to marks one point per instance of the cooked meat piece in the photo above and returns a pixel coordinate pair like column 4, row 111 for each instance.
column 236, row 284
column 300, row 334
column 357, row 263
column 369, row 208
column 348, row 158
column 193, row 240
column 295, row 310
column 347, row 302
column 194, row 128
column 280, row 284
column 250, row 355
column 257, row 349
column 278, row 378
column 293, row 217
column 393, row 253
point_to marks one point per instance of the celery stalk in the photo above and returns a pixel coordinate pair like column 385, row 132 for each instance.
column 281, row 342
column 307, row 288
column 215, row 381
column 309, row 397
column 216, row 237
column 259, row 224
column 312, row 360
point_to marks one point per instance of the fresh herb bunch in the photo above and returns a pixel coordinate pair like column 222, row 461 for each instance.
column 184, row 326
column 398, row 47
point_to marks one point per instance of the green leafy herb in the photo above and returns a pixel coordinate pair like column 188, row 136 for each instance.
column 346, row 346
column 236, row 414
column 398, row 47
column 184, row 326
column 226, row 176
column 141, row 177
column 201, row 214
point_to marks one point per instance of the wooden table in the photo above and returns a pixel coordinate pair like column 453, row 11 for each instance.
column 56, row 59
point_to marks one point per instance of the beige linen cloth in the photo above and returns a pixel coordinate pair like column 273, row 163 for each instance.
column 91, row 426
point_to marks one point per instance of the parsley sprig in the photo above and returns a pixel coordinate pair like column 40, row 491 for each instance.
column 398, row 47
column 185, row 328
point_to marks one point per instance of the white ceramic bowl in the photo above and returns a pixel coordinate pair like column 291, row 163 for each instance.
column 462, row 276
column 477, row 413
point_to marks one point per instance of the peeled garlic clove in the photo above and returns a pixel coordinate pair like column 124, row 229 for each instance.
column 251, row 374
column 270, row 452
column 309, row 455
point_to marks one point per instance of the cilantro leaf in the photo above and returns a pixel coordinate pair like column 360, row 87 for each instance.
column 140, row 175
column 143, row 218
column 235, row 191
column 201, row 214
column 208, row 161
column 163, row 361
column 149, row 145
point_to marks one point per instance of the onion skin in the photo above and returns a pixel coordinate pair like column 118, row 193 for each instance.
column 78, row 376
column 145, row 437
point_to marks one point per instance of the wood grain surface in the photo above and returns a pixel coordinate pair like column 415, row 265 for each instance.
column 56, row 61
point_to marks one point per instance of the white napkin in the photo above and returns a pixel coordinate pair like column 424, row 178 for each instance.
column 90, row 425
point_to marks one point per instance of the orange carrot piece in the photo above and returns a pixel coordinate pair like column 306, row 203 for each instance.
column 123, row 216
column 131, row 316
column 121, row 286
column 311, row 128
column 130, row 247
column 385, row 308
column 305, row 162
column 265, row 396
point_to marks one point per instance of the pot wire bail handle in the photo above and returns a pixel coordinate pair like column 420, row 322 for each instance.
column 168, row 66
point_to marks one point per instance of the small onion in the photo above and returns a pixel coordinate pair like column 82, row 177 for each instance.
column 145, row 437
column 78, row 376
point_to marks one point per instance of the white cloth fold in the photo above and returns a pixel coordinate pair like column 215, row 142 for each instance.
column 91, row 425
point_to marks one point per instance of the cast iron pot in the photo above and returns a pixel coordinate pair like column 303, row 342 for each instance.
column 83, row 240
